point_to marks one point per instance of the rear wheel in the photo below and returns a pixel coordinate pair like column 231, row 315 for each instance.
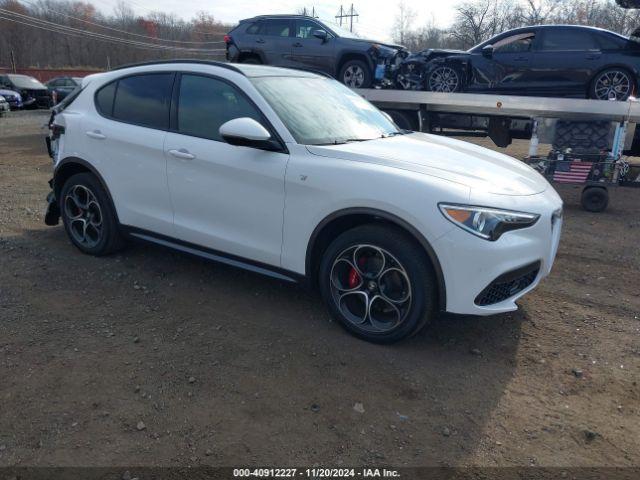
column 251, row 60
column 88, row 216
column 612, row 84
column 378, row 283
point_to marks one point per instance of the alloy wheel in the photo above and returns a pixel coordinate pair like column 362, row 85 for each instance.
column 613, row 85
column 370, row 288
column 444, row 79
column 84, row 215
column 353, row 76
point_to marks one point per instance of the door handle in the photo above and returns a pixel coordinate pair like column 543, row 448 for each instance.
column 259, row 40
column 182, row 153
column 297, row 44
column 97, row 134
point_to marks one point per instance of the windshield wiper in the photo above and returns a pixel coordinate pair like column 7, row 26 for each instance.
column 393, row 134
column 346, row 140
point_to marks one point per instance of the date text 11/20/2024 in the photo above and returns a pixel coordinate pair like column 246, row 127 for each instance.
column 315, row 473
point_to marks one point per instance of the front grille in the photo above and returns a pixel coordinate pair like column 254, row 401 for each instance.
column 508, row 284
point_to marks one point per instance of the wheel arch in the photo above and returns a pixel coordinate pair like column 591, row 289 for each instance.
column 243, row 55
column 460, row 64
column 72, row 165
column 353, row 55
column 343, row 220
column 631, row 70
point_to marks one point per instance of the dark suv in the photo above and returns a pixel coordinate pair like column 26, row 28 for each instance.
column 34, row 94
column 297, row 41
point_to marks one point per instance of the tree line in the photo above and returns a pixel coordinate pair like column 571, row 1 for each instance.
column 478, row 20
column 58, row 33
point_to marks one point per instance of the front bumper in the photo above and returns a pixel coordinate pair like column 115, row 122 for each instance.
column 483, row 277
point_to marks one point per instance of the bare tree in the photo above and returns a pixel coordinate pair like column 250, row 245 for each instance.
column 403, row 22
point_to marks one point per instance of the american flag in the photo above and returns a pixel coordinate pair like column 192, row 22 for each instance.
column 572, row 172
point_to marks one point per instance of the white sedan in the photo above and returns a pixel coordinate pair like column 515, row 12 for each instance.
column 293, row 175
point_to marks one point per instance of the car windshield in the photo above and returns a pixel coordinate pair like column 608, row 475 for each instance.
column 341, row 32
column 24, row 81
column 321, row 111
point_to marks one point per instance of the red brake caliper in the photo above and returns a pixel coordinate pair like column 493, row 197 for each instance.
column 354, row 278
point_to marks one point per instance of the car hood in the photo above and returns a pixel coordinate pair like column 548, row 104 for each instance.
column 435, row 53
column 475, row 167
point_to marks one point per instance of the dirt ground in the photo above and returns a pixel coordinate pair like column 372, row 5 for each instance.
column 151, row 357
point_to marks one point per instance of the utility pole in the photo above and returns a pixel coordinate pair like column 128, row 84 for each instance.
column 313, row 12
column 13, row 62
column 347, row 14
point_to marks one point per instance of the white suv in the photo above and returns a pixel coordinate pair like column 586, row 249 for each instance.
column 293, row 175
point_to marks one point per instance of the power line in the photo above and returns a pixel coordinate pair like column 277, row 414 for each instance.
column 52, row 26
column 347, row 14
column 117, row 30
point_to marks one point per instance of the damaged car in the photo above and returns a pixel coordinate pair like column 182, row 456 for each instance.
column 306, row 43
column 13, row 99
column 548, row 60
column 33, row 93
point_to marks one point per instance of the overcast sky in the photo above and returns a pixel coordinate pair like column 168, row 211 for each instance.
column 375, row 20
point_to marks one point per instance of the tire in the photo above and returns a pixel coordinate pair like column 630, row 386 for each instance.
column 251, row 61
column 444, row 78
column 406, row 120
column 595, row 199
column 352, row 295
column 612, row 84
column 356, row 74
column 88, row 216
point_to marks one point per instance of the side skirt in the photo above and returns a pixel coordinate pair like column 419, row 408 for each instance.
column 215, row 255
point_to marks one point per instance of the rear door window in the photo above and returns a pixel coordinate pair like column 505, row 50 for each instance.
column 567, row 40
column 276, row 28
column 144, row 100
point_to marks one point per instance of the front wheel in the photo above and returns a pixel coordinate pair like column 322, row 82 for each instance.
column 444, row 78
column 612, row 84
column 378, row 283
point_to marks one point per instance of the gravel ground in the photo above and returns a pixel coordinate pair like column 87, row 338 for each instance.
column 150, row 357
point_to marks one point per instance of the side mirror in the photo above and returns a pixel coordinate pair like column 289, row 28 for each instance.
column 321, row 34
column 246, row 132
column 487, row 51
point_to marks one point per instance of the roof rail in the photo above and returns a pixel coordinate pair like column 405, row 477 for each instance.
column 181, row 60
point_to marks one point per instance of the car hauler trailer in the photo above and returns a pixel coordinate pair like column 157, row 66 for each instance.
column 578, row 130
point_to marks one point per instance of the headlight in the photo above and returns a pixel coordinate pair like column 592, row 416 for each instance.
column 487, row 223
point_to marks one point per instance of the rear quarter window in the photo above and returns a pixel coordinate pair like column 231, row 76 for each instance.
column 104, row 99
column 253, row 28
